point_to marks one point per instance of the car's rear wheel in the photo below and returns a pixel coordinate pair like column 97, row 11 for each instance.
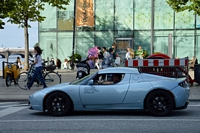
column 58, row 104
column 159, row 103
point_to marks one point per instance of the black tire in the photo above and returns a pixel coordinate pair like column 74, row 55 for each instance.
column 22, row 80
column 52, row 78
column 58, row 104
column 8, row 80
column 15, row 81
column 159, row 103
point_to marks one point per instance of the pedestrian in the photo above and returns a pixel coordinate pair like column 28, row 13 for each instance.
column 91, row 62
column 19, row 63
column 139, row 53
column 38, row 68
column 106, row 58
column 129, row 53
column 52, row 62
column 99, row 59
column 58, row 63
column 66, row 64
column 113, row 53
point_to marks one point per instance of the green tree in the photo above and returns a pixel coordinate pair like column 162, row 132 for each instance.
column 6, row 6
column 182, row 5
column 24, row 11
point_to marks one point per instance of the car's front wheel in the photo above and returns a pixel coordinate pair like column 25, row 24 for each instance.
column 58, row 104
column 159, row 103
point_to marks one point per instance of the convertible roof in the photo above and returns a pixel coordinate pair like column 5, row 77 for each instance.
column 119, row 70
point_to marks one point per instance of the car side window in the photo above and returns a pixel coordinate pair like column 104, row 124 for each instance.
column 99, row 78
column 110, row 78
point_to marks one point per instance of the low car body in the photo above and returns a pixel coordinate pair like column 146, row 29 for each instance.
column 135, row 91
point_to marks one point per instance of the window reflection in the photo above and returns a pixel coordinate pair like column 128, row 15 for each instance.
column 65, row 20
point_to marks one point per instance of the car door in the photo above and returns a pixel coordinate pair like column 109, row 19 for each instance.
column 101, row 94
column 137, row 90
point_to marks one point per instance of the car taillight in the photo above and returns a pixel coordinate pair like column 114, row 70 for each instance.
column 183, row 84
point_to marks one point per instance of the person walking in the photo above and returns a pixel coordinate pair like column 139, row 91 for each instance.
column 38, row 68
column 58, row 63
column 99, row 60
column 106, row 58
column 113, row 54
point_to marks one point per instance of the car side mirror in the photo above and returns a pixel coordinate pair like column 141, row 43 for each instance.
column 91, row 82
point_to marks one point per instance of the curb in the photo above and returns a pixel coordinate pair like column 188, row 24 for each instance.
column 18, row 100
column 14, row 100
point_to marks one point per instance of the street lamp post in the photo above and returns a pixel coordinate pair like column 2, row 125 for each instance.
column 152, row 26
column 74, row 35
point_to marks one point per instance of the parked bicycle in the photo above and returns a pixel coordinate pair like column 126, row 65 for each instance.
column 51, row 77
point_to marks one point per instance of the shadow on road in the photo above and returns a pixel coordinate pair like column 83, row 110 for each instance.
column 115, row 113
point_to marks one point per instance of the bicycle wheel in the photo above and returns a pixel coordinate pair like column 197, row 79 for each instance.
column 22, row 80
column 52, row 78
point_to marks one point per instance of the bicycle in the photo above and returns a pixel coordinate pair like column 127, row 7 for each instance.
column 50, row 76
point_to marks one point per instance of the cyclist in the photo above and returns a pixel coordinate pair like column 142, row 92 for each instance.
column 38, row 68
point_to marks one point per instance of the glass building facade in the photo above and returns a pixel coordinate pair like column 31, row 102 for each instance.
column 149, row 23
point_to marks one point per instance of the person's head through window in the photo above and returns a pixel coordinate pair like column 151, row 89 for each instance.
column 117, row 78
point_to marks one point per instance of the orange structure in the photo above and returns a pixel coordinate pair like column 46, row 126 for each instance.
column 84, row 13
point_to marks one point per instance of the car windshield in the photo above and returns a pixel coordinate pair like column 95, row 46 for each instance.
column 76, row 82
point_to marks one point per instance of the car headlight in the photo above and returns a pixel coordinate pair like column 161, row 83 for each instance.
column 183, row 84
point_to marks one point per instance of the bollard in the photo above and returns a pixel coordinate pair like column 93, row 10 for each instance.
column 3, row 69
column 48, row 60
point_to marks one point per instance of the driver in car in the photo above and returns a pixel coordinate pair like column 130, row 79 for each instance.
column 116, row 78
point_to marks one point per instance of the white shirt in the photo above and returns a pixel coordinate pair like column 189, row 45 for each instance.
column 19, row 64
column 128, row 56
column 39, row 62
column 106, row 54
column 65, row 64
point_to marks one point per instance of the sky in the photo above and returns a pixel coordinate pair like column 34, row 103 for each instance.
column 13, row 36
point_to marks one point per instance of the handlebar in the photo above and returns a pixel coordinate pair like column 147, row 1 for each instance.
column 42, row 62
column 31, row 60
column 45, row 61
column 9, row 62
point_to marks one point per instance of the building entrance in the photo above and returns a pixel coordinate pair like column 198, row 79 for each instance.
column 122, row 45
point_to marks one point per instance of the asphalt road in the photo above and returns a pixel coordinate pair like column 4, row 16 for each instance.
column 29, row 121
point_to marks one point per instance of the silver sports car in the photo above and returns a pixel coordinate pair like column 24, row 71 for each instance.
column 117, row 88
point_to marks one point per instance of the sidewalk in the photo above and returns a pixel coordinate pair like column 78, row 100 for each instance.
column 14, row 93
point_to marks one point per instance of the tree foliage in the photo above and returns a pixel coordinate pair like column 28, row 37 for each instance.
column 182, row 5
column 23, row 11
column 5, row 7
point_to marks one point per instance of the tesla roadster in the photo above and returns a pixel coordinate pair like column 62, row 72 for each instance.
column 117, row 88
